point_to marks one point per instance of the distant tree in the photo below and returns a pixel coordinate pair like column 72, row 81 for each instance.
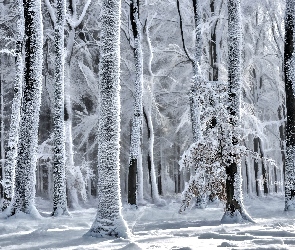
column 24, row 194
column 11, row 150
column 147, row 113
column 73, row 172
column 289, row 71
column 109, row 220
column 234, row 210
column 135, row 175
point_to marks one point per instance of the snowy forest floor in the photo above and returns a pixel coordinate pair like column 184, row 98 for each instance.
column 156, row 228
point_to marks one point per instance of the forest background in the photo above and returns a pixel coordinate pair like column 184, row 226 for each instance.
column 168, row 43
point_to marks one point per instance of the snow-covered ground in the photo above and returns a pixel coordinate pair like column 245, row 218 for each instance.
column 157, row 228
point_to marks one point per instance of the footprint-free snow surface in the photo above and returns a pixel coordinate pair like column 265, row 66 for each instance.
column 156, row 228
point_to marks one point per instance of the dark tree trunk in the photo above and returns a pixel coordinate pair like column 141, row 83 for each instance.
column 256, row 168
column 1, row 133
column 290, row 105
column 160, row 180
column 132, row 176
column 148, row 156
column 136, row 129
column 264, row 171
column 213, row 75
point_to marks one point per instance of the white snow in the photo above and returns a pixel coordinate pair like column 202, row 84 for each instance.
column 156, row 228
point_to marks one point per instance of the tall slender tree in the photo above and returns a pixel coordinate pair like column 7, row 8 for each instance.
column 197, row 76
column 196, row 61
column 24, row 194
column 235, row 210
column 147, row 110
column 72, row 171
column 11, row 151
column 109, row 220
column 289, row 71
column 59, row 179
column 135, row 176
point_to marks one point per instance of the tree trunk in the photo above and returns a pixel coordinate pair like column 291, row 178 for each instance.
column 2, row 156
column 151, row 166
column 197, row 77
column 24, row 195
column 109, row 220
column 264, row 170
column 11, row 151
column 282, row 129
column 59, row 180
column 258, row 181
column 135, row 189
column 147, row 110
column 235, row 211
column 213, row 74
column 290, row 105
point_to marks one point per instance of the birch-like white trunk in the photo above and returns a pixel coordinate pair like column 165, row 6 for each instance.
column 109, row 220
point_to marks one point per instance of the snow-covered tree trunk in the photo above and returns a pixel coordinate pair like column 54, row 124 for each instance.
column 234, row 211
column 11, row 151
column 194, row 103
column 2, row 154
column 59, row 191
column 73, row 173
column 24, row 194
column 109, row 220
column 135, row 176
column 289, row 71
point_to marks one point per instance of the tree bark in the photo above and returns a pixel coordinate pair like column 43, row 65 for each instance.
column 11, row 150
column 235, row 211
column 290, row 105
column 109, row 220
column 135, row 182
column 59, row 179
column 213, row 74
column 24, row 194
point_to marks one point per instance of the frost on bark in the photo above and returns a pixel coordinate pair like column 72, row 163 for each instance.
column 59, row 181
column 24, row 193
column 135, row 190
column 289, row 71
column 234, row 211
column 11, row 151
column 109, row 220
